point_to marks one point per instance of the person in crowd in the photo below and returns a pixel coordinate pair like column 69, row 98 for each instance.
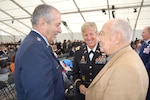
column 3, row 50
column 38, row 73
column 138, row 43
column 145, row 53
column 133, row 45
column 12, row 64
column 64, row 46
column 88, row 60
column 58, row 51
column 3, row 56
column 124, row 77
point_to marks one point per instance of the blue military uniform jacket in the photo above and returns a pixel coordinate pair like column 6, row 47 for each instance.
column 38, row 73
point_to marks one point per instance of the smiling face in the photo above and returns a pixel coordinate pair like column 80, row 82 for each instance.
column 89, row 33
column 46, row 20
column 90, row 37
column 53, row 27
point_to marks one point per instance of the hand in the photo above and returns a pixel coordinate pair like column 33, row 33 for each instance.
column 82, row 89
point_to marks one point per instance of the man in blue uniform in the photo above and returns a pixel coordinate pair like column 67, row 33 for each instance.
column 88, row 60
column 38, row 73
column 145, row 53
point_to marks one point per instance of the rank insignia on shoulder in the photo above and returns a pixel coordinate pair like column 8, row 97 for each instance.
column 77, row 48
column 85, row 51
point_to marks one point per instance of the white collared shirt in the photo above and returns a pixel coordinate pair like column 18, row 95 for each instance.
column 91, row 54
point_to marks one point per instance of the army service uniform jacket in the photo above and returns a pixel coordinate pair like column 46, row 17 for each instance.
column 85, row 70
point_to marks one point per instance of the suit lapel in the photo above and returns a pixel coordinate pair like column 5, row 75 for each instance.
column 85, row 53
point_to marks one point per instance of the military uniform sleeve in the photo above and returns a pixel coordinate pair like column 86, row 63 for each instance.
column 76, row 71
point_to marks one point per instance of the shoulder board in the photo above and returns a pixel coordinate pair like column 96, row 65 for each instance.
column 77, row 48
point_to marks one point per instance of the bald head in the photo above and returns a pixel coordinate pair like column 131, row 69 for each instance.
column 114, row 35
column 146, row 33
column 121, row 26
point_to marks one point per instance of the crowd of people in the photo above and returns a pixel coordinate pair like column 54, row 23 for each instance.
column 107, row 65
column 66, row 47
column 7, row 50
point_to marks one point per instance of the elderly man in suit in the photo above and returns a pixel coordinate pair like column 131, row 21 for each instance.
column 38, row 73
column 124, row 77
column 145, row 53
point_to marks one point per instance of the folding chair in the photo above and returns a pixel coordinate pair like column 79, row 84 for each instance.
column 6, row 92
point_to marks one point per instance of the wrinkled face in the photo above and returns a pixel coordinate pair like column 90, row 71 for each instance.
column 145, row 34
column 106, row 40
column 90, row 37
column 53, row 28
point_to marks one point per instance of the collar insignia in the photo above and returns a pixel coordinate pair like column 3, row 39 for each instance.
column 85, row 51
column 38, row 39
column 97, row 51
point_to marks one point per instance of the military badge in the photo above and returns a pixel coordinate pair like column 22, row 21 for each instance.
column 101, row 59
column 97, row 51
column 83, row 77
column 83, row 60
column 97, row 60
column 77, row 48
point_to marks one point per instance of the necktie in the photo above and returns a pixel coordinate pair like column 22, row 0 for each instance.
column 91, row 54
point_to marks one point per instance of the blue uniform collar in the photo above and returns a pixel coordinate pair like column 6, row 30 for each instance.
column 41, row 36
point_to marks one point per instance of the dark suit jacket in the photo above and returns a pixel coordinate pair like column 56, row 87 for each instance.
column 38, row 73
column 145, row 54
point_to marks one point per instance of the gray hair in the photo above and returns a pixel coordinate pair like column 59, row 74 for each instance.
column 122, row 26
column 42, row 11
column 86, row 25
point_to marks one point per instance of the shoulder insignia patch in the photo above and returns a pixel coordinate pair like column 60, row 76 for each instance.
column 77, row 48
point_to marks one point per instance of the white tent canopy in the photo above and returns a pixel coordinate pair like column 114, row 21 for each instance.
column 15, row 15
